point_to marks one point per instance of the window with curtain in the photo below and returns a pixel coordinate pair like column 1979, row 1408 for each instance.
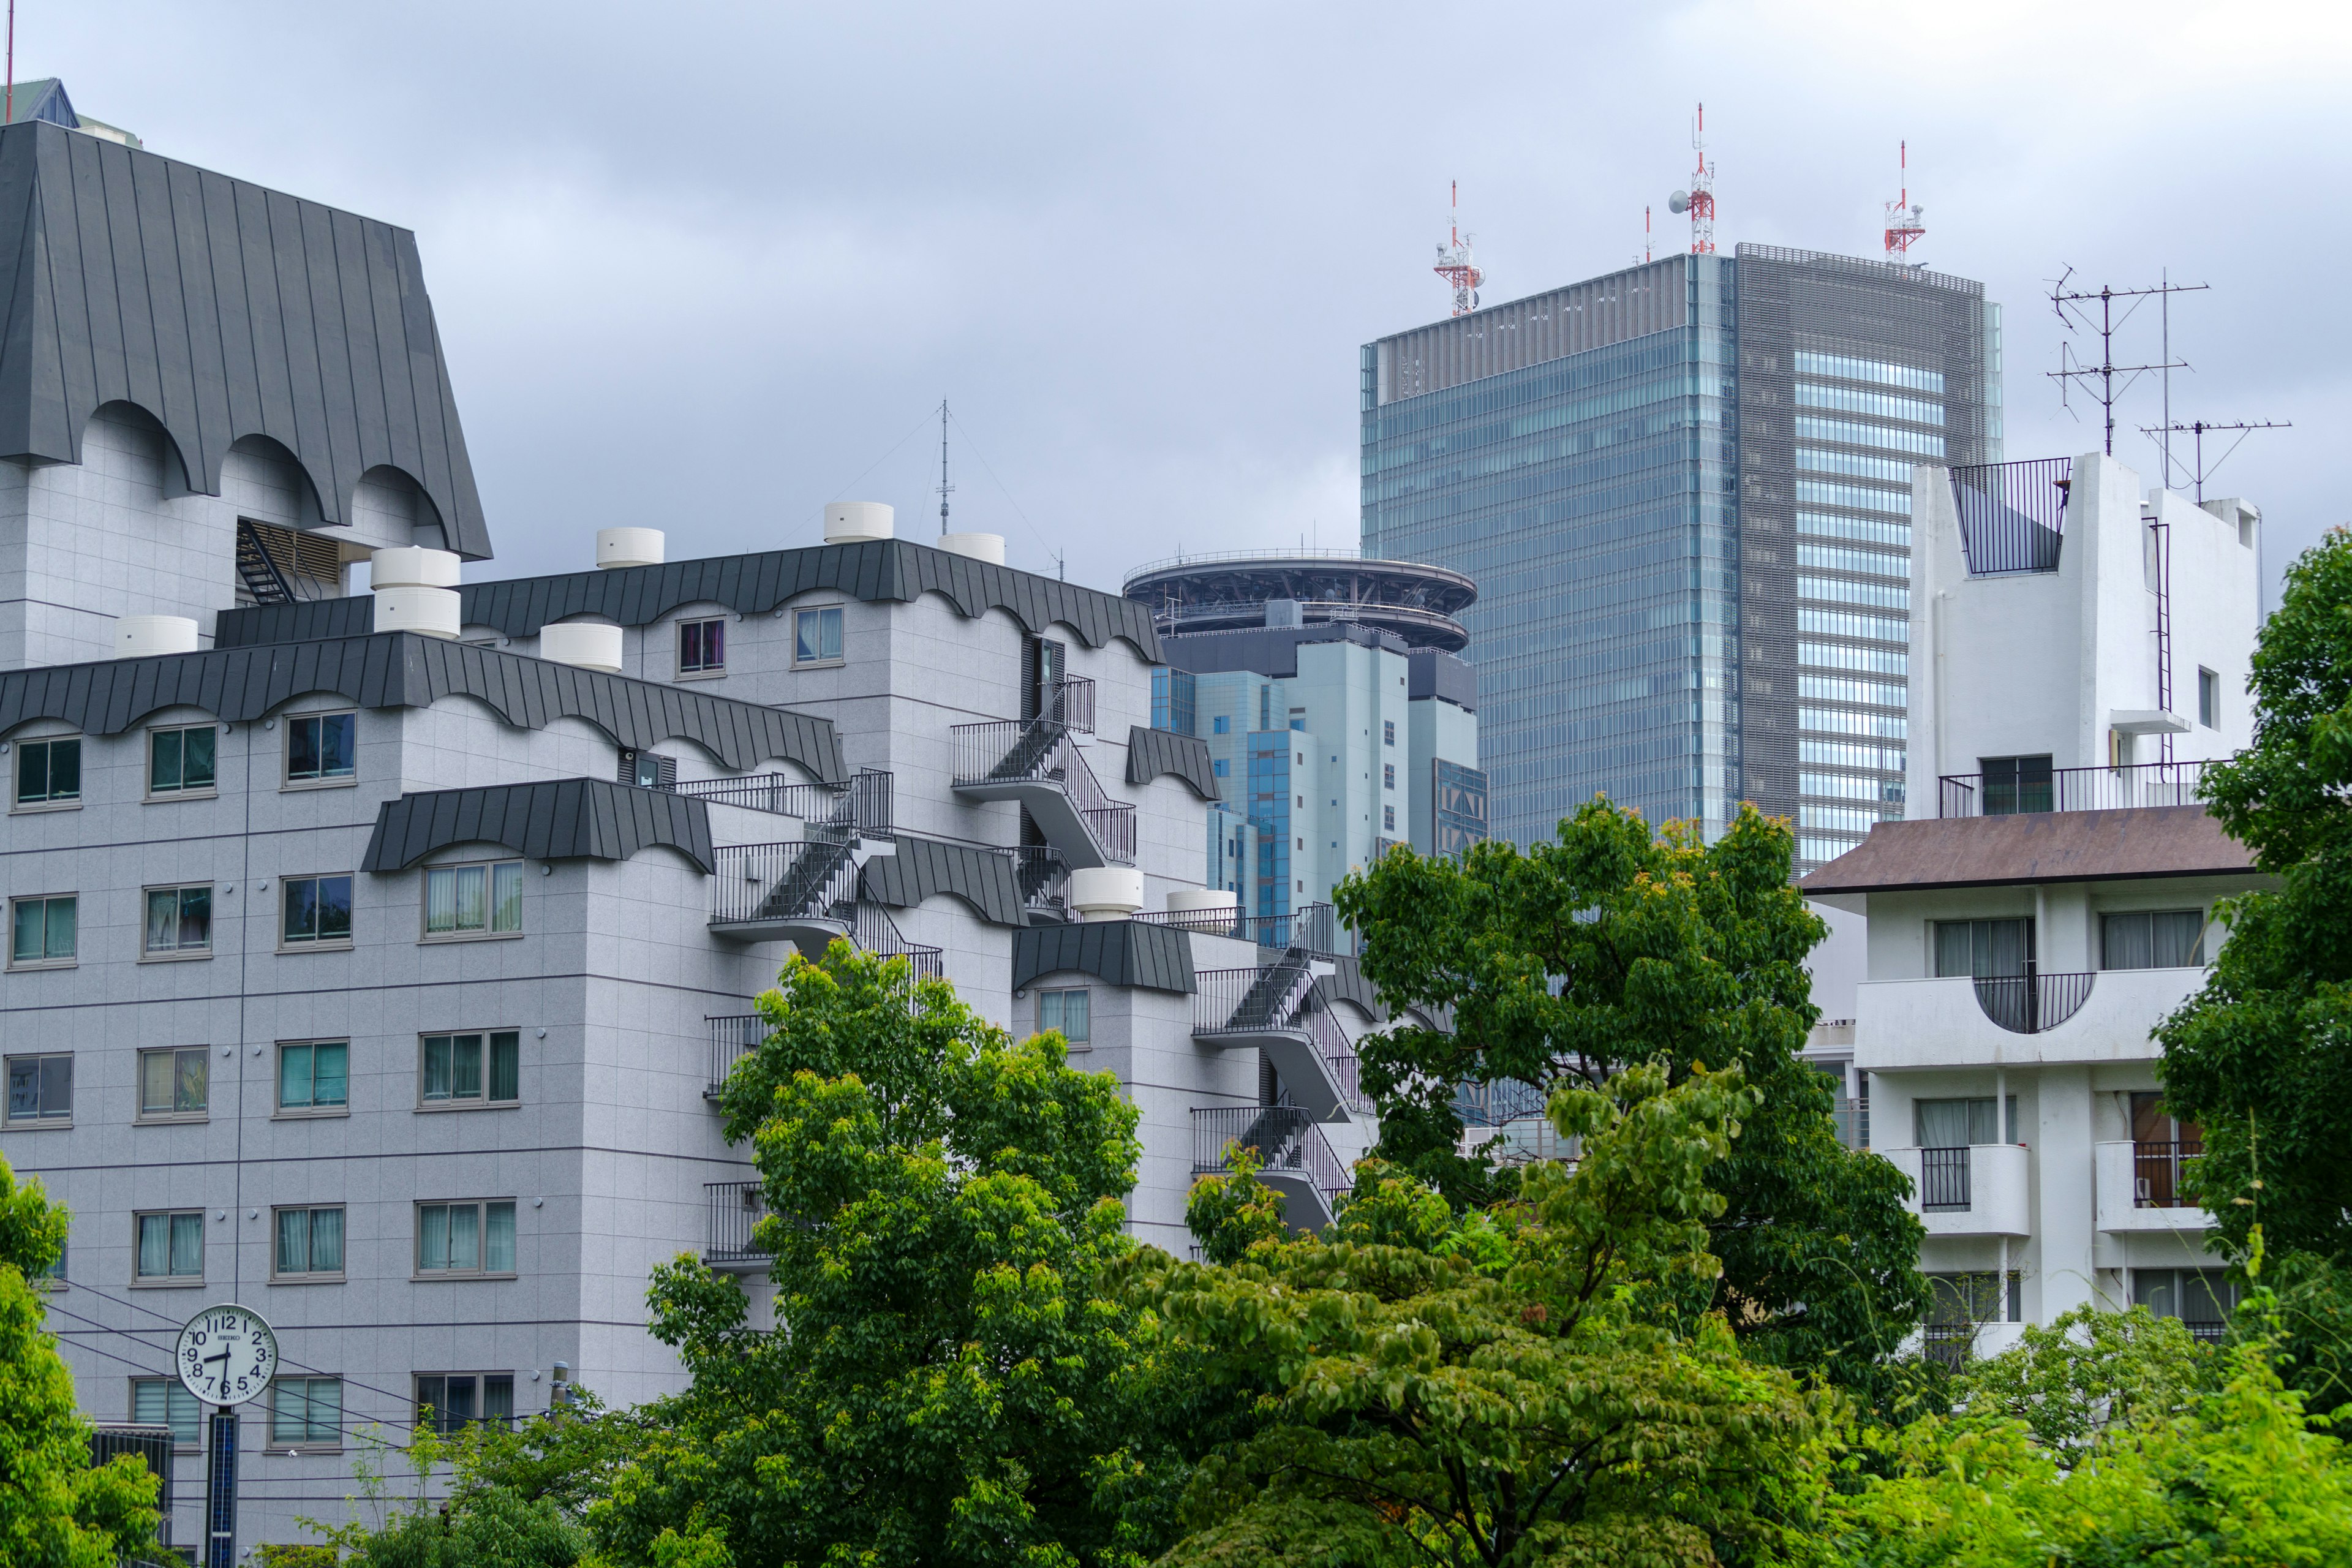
column 166, row 1402
column 474, row 901
column 2153, row 939
column 172, row 1246
column 1959, row 1123
column 306, row 1411
column 1989, row 949
column 310, row 1242
column 465, row 1238
column 314, row 1075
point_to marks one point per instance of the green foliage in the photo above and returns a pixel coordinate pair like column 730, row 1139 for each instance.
column 278, row 1554
column 2313, row 1320
column 1611, row 947
column 2087, row 1372
column 1419, row 1405
column 951, row 1382
column 2262, row 1055
column 1232, row 1212
column 511, row 1499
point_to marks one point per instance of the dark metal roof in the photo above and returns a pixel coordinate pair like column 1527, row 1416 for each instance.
column 402, row 669
column 987, row 880
column 1118, row 952
column 223, row 311
column 557, row 819
column 1150, row 752
column 301, row 620
column 2037, row 846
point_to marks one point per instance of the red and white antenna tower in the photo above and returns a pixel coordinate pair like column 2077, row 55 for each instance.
column 1902, row 225
column 1453, row 262
column 1699, row 200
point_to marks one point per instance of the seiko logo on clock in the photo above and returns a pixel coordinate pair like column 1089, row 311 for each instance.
column 227, row 1355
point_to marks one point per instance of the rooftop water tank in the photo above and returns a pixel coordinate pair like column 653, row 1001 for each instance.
column 858, row 521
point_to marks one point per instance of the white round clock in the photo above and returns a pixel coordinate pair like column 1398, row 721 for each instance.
column 227, row 1355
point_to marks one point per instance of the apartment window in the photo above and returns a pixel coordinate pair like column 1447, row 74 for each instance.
column 49, row 772
column 1960, row 1123
column 2156, row 939
column 40, row 1090
column 317, row 912
column 2202, row 1298
column 44, row 931
column 1069, row 1011
column 306, row 1413
column 179, row 921
column 1387, row 732
column 1388, row 775
column 464, row 1238
column 314, row 1075
column 2016, row 786
column 166, row 1402
column 1987, row 949
column 173, row 1083
column 471, row 1069
column 1388, row 819
column 702, row 647
column 2209, row 699
column 448, row 1400
column 310, row 1244
column 1957, row 1303
column 816, row 635
column 172, row 1246
column 482, row 900
column 1223, row 724
column 180, row 762
column 322, row 748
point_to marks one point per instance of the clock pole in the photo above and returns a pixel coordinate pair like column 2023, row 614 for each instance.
column 240, row 1342
column 220, row 1492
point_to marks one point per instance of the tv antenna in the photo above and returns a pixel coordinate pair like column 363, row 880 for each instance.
column 2073, row 308
column 1454, row 263
column 945, row 488
column 2198, row 429
column 1699, row 200
column 1902, row 225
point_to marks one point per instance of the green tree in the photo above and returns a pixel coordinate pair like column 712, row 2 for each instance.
column 487, row 1514
column 2089, row 1371
column 950, row 1381
column 1612, row 946
column 56, row 1510
column 2262, row 1055
column 1505, row 1387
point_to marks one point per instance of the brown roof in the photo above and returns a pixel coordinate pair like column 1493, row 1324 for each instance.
column 2039, row 846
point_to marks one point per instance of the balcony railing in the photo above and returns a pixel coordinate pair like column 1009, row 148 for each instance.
column 2155, row 1173
column 1281, row 998
column 1071, row 702
column 2012, row 515
column 1040, row 751
column 874, row 931
column 2028, row 1004
column 862, row 807
column 2212, row 1332
column 1944, row 1184
column 1314, row 930
column 1044, row 879
column 2071, row 789
column 1283, row 1137
column 733, row 1036
column 755, row 883
column 733, row 1210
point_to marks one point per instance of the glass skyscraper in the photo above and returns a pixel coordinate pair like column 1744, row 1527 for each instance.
column 1684, row 491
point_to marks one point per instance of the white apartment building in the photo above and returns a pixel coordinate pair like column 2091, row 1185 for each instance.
column 2079, row 650
column 374, row 959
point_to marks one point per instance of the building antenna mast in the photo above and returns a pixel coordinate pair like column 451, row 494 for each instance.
column 1699, row 200
column 2073, row 308
column 945, row 488
column 1454, row 263
column 2199, row 429
column 1902, row 225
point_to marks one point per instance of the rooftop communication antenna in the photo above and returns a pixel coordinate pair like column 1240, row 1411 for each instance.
column 1699, row 200
column 2074, row 309
column 1454, row 263
column 1902, row 225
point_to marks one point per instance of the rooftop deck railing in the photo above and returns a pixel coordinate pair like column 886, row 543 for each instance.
column 2071, row 789
column 2012, row 515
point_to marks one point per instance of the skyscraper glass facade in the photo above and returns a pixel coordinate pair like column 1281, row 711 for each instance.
column 1685, row 493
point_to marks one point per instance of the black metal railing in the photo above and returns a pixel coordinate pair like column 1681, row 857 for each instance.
column 2211, row 1331
column 1283, row 1137
column 862, row 807
column 2071, row 789
column 1281, row 997
column 733, row 1036
column 1071, row 702
column 2155, row 1173
column 1044, row 879
column 2012, row 515
column 1943, row 1179
column 733, row 1211
column 815, row 878
column 1312, row 932
column 1949, row 1344
column 1040, row 751
column 2028, row 1004
column 874, row 931
column 1499, row 1102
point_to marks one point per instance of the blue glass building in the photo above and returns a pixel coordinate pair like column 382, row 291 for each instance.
column 1684, row 490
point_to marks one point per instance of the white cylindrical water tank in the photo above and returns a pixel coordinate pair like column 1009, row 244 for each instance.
column 1204, row 908
column 988, row 547
column 407, row 607
column 618, row 547
column 858, row 521
column 411, row 567
column 1106, row 893
column 591, row 644
column 139, row 637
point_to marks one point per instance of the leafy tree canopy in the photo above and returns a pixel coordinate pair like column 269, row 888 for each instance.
column 1612, row 946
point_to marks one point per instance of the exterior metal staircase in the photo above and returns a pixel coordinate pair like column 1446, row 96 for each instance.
column 1293, row 1156
column 1281, row 1011
column 1037, row 762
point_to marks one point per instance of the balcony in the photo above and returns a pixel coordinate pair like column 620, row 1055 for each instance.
column 733, row 1212
column 2138, row 1187
column 1036, row 762
column 2069, row 789
column 1282, row 1012
column 1977, row 1191
column 733, row 1036
column 1294, row 1158
column 1044, row 879
column 1302, row 936
column 860, row 809
column 804, row 893
column 1947, row 1023
column 2031, row 1004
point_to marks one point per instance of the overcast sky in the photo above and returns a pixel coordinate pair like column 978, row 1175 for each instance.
column 706, row 267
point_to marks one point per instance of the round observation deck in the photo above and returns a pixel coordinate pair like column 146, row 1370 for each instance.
column 1229, row 592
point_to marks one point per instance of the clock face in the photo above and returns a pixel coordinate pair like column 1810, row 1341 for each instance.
column 227, row 1355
